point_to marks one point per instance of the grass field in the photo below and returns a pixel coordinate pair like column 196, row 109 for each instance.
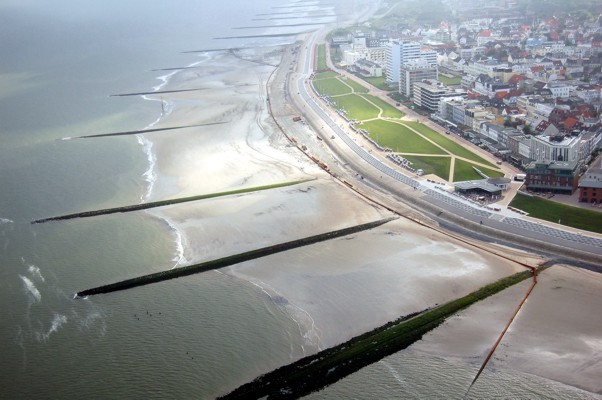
column 432, row 165
column 575, row 217
column 448, row 144
column 449, row 81
column 357, row 88
column 331, row 87
column 388, row 110
column 378, row 82
column 399, row 138
column 321, row 63
column 325, row 75
column 356, row 107
column 464, row 171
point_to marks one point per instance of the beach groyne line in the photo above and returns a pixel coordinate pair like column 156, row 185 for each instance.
column 534, row 271
column 279, row 26
column 304, row 17
column 230, row 260
column 212, row 50
column 170, row 128
column 157, row 92
column 155, row 204
column 266, row 35
column 313, row 373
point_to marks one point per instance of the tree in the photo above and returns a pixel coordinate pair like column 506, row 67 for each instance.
column 528, row 129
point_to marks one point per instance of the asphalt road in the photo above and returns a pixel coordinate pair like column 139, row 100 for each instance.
column 447, row 202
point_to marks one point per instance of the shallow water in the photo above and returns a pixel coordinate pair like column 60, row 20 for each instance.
column 195, row 337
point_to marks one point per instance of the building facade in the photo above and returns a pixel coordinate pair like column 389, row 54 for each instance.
column 552, row 176
column 412, row 72
column 590, row 186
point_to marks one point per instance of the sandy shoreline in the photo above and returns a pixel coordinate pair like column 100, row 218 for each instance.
column 557, row 334
column 337, row 289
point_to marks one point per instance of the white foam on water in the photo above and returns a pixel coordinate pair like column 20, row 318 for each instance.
column 67, row 138
column 150, row 174
column 57, row 321
column 36, row 273
column 304, row 321
column 6, row 221
column 179, row 257
column 31, row 289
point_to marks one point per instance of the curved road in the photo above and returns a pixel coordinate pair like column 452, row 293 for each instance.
column 585, row 242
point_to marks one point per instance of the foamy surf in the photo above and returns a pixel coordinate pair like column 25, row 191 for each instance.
column 36, row 273
column 6, row 221
column 57, row 321
column 150, row 175
column 306, row 324
column 31, row 289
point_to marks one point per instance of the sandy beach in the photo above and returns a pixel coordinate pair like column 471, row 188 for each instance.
column 557, row 335
column 341, row 288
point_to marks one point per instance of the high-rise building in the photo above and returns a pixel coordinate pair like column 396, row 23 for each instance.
column 415, row 71
column 399, row 54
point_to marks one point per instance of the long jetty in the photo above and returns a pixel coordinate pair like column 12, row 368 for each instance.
column 230, row 260
column 154, row 204
column 278, row 26
column 170, row 128
column 317, row 371
column 263, row 36
column 156, row 92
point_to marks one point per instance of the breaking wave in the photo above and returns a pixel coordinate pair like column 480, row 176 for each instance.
column 57, row 321
column 31, row 289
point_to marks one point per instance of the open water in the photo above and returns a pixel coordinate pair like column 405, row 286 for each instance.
column 192, row 338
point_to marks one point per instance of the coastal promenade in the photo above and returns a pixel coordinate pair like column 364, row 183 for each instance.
column 381, row 180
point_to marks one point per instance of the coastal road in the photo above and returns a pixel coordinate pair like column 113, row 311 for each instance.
column 432, row 193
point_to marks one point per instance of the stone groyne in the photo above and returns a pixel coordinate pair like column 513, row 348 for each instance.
column 230, row 260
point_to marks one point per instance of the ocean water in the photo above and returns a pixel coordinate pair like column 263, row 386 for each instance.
column 192, row 338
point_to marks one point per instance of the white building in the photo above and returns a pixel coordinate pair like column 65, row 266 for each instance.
column 398, row 54
column 415, row 71
column 559, row 89
column 555, row 148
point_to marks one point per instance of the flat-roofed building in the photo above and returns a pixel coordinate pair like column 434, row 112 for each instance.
column 590, row 186
column 428, row 94
column 552, row 176
column 415, row 71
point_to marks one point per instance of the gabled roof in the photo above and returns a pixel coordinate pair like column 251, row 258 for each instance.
column 570, row 123
column 542, row 126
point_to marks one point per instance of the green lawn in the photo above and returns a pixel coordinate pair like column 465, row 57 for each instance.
column 548, row 210
column 449, row 81
column 432, row 165
column 399, row 138
column 388, row 110
column 321, row 63
column 378, row 82
column 448, row 144
column 325, row 75
column 357, row 88
column 331, row 87
column 464, row 171
column 356, row 106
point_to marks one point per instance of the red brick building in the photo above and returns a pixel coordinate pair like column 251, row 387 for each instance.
column 590, row 186
column 552, row 176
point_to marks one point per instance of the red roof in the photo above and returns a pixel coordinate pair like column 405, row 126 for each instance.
column 485, row 33
column 542, row 126
column 570, row 123
column 514, row 79
column 537, row 68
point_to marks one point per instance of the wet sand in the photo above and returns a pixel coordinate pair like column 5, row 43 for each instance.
column 557, row 335
column 338, row 289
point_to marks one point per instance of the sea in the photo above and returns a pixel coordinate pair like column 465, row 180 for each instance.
column 61, row 63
